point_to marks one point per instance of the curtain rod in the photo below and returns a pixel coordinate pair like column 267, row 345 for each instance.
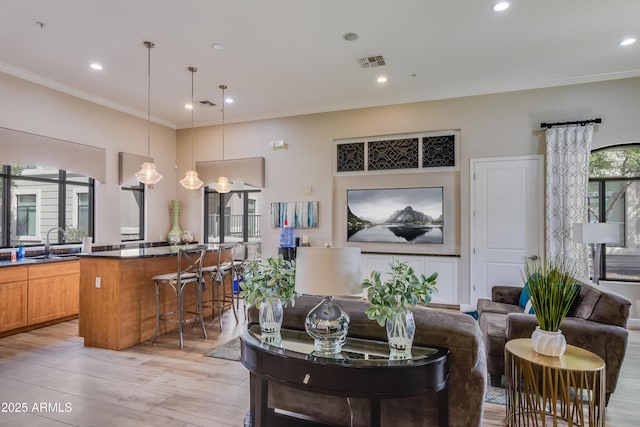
column 579, row 122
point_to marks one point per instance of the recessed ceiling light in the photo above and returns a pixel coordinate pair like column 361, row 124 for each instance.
column 229, row 100
column 96, row 66
column 501, row 6
column 188, row 106
column 350, row 37
column 217, row 46
column 381, row 79
column 628, row 41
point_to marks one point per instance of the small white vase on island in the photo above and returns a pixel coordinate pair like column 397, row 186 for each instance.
column 548, row 343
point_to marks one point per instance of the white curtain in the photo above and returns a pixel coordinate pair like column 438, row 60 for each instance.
column 567, row 173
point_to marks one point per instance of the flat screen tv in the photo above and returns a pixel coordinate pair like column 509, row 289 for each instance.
column 396, row 215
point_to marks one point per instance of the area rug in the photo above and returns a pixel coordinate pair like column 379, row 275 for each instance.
column 231, row 351
column 495, row 395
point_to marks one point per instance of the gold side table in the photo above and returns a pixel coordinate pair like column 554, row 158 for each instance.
column 553, row 391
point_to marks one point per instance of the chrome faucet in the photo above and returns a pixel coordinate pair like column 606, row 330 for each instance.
column 47, row 246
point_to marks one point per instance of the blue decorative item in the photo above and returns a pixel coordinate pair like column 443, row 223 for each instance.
column 525, row 300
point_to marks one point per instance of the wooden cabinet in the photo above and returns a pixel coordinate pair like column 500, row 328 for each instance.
column 53, row 291
column 445, row 266
column 38, row 293
column 13, row 298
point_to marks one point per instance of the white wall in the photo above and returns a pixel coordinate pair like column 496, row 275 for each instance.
column 490, row 126
column 505, row 124
column 32, row 108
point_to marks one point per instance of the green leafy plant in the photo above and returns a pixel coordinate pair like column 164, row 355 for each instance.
column 552, row 289
column 273, row 277
column 73, row 234
column 403, row 288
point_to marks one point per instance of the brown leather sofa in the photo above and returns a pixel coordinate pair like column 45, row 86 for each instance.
column 467, row 370
column 596, row 322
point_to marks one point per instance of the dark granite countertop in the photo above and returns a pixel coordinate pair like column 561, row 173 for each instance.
column 146, row 252
column 143, row 250
column 150, row 252
column 38, row 260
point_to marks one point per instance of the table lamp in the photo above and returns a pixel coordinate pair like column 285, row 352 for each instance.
column 328, row 272
column 595, row 234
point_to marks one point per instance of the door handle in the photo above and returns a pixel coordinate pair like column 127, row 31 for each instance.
column 533, row 257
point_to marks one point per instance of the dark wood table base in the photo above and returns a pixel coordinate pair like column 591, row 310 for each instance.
column 365, row 379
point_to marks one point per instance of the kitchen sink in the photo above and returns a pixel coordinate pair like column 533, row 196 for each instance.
column 53, row 257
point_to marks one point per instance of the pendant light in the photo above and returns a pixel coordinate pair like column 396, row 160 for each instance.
column 191, row 180
column 223, row 186
column 148, row 174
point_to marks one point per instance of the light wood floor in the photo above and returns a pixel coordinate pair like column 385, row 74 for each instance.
column 160, row 385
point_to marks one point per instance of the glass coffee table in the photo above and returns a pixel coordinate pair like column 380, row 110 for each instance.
column 362, row 370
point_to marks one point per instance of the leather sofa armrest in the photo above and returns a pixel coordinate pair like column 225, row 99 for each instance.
column 506, row 294
column 520, row 325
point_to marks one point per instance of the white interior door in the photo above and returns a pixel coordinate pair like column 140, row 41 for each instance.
column 507, row 222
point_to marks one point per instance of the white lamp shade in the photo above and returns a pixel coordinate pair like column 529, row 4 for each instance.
column 596, row 232
column 328, row 271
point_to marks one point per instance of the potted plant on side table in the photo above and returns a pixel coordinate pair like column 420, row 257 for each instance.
column 389, row 301
column 269, row 284
column 552, row 290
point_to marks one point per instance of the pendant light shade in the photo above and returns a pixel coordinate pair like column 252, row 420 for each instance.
column 223, row 186
column 148, row 173
column 191, row 180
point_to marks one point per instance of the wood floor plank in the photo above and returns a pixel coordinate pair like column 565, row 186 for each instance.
column 161, row 385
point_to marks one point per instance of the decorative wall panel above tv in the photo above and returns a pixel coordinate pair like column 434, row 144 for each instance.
column 416, row 152
column 350, row 157
column 438, row 151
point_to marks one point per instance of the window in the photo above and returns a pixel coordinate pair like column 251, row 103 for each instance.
column 232, row 217
column 36, row 199
column 26, row 214
column 614, row 197
column 132, row 213
column 82, row 210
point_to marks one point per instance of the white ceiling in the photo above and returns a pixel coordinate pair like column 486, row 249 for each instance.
column 287, row 57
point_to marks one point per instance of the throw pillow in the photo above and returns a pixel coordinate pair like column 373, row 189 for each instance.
column 525, row 301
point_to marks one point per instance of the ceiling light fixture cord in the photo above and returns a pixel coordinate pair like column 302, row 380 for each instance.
column 193, row 106
column 149, row 46
column 223, row 185
column 148, row 174
column 223, row 87
column 191, row 180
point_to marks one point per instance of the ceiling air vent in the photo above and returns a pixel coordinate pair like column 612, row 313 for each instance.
column 207, row 102
column 371, row 61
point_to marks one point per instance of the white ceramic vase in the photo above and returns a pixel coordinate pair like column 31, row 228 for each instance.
column 548, row 343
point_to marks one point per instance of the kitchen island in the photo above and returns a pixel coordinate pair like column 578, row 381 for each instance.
column 117, row 296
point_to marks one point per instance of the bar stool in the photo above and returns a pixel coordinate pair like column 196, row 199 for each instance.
column 253, row 251
column 239, row 262
column 220, row 274
column 189, row 271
